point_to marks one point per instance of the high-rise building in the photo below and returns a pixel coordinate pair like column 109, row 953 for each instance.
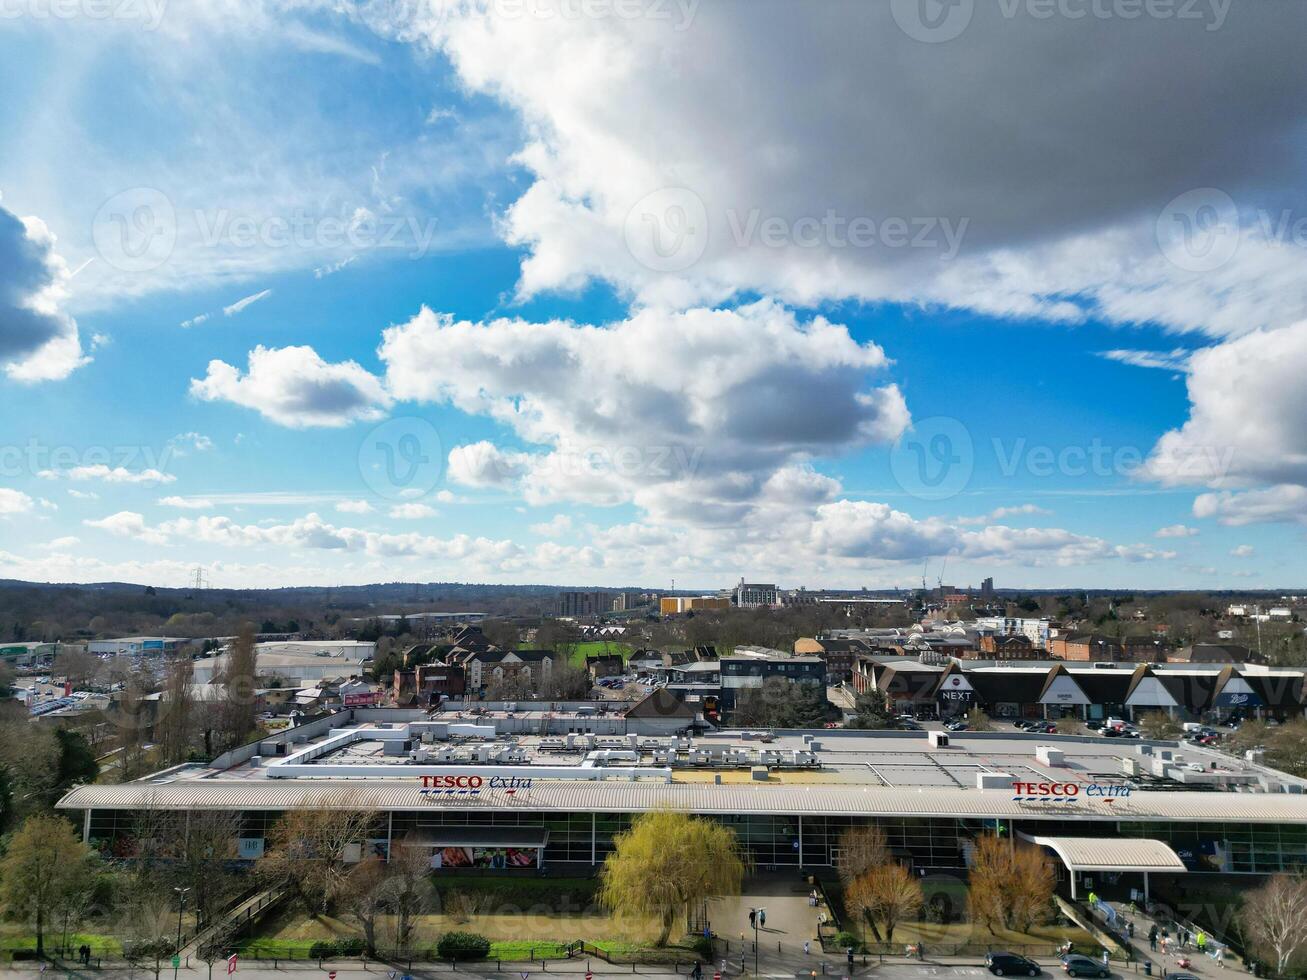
column 754, row 595
column 584, row 603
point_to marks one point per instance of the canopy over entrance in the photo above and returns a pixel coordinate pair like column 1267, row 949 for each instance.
column 1137, row 854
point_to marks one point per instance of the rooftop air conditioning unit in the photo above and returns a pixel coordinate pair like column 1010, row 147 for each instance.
column 938, row 740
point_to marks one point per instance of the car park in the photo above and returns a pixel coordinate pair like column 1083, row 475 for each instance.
column 1003, row 964
column 1076, row 965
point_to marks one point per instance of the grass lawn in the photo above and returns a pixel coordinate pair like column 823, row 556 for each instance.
column 14, row 938
column 600, row 648
column 523, row 919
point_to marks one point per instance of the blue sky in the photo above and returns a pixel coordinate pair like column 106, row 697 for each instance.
column 323, row 291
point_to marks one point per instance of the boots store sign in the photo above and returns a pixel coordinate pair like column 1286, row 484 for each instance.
column 1068, row 792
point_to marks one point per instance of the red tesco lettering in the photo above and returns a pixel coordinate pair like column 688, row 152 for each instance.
column 452, row 782
column 1046, row 789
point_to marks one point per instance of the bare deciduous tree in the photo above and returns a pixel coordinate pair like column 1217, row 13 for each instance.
column 860, row 850
column 1273, row 918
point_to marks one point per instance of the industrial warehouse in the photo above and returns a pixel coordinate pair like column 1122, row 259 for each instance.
column 539, row 787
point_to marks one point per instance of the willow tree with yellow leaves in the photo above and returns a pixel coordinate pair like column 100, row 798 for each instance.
column 668, row 863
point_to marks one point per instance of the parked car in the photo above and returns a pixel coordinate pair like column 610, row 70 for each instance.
column 956, row 726
column 1094, row 726
column 1178, row 975
column 1082, row 966
column 1011, row 965
column 908, row 725
column 1023, row 723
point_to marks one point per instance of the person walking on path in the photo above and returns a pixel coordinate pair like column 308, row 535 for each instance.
column 806, row 947
column 762, row 918
column 1201, row 940
column 1152, row 938
column 753, row 918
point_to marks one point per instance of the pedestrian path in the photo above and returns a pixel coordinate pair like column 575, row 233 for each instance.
column 1169, row 959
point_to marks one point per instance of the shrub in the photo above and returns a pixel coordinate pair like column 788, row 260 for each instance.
column 325, row 949
column 463, row 946
column 702, row 946
column 844, row 939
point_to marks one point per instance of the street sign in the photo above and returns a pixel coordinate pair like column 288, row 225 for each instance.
column 231, row 964
column 176, row 960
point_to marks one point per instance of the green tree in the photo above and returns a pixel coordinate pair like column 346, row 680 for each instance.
column 667, row 863
column 42, row 871
column 1160, row 725
column 871, row 711
column 239, row 675
column 76, row 760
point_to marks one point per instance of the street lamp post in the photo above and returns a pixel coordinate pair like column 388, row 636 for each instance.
column 177, row 953
column 756, row 915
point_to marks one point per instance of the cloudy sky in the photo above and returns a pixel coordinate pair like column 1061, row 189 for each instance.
column 619, row 291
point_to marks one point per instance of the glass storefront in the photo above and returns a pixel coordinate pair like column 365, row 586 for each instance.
column 781, row 841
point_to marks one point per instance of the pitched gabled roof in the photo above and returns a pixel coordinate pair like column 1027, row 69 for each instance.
column 660, row 703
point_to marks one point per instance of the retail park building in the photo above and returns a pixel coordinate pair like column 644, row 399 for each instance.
column 550, row 785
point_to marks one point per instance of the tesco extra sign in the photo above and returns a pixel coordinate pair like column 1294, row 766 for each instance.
column 1068, row 792
column 1054, row 790
column 452, row 781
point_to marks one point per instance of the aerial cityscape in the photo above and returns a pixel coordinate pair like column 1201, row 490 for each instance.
column 695, row 488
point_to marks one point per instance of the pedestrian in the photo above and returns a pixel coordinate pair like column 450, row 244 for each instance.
column 1152, row 938
column 806, row 946
column 1202, row 941
column 753, row 918
column 1166, row 941
column 1106, row 958
column 1220, row 956
column 697, row 972
column 1130, row 929
column 921, row 951
column 762, row 918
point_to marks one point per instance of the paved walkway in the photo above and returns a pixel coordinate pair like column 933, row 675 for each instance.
column 1200, row 964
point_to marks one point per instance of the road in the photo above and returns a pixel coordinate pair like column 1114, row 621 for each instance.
column 572, row 970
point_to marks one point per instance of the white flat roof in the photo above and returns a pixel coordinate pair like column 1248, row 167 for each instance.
column 626, row 796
